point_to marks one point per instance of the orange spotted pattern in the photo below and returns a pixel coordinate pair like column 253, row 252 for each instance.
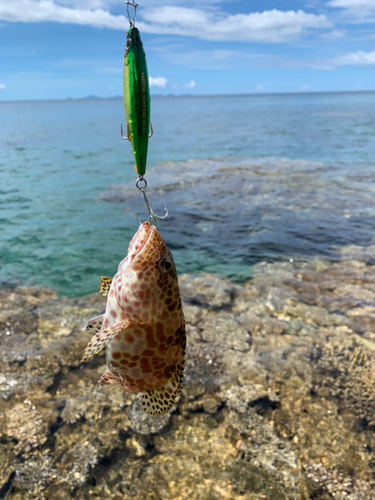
column 144, row 323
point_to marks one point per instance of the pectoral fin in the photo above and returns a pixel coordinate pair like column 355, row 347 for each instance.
column 106, row 378
column 105, row 285
column 95, row 324
column 102, row 338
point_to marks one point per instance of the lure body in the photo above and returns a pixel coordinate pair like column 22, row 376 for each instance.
column 143, row 327
column 137, row 98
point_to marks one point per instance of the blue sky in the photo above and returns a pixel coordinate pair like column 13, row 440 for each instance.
column 52, row 49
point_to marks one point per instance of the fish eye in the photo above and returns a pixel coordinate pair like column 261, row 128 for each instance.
column 165, row 265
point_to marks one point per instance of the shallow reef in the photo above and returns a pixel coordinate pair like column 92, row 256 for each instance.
column 278, row 399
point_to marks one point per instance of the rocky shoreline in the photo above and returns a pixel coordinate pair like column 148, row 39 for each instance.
column 278, row 398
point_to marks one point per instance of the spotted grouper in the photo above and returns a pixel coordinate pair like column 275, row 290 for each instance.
column 143, row 327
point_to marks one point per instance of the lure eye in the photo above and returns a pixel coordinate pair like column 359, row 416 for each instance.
column 128, row 43
column 165, row 265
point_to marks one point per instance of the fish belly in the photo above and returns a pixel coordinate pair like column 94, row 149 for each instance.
column 142, row 358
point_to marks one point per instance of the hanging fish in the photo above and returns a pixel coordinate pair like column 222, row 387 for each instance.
column 143, row 327
column 137, row 99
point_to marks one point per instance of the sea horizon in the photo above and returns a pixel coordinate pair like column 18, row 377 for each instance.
column 250, row 94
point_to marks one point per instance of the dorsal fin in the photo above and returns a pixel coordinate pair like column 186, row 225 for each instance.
column 105, row 285
column 102, row 338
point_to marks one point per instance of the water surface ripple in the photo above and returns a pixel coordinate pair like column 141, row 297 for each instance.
column 246, row 179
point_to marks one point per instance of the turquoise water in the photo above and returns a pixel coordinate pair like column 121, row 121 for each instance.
column 246, row 178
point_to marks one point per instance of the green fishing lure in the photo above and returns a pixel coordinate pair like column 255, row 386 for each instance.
column 137, row 105
column 137, row 98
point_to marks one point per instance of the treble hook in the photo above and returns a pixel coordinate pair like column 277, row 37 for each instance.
column 128, row 137
column 122, row 134
column 134, row 5
column 151, row 213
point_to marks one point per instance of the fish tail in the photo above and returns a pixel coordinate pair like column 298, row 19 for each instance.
column 161, row 399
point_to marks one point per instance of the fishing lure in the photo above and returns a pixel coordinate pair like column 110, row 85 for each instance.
column 136, row 96
column 137, row 105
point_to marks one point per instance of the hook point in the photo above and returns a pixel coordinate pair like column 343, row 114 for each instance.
column 122, row 134
column 151, row 212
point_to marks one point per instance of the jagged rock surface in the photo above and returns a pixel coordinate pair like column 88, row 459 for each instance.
column 278, row 399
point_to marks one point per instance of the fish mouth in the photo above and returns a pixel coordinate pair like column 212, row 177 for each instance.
column 143, row 240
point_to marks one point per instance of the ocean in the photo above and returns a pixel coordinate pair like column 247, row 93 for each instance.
column 245, row 178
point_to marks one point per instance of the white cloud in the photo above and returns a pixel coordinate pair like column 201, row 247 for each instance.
column 359, row 58
column 2, row 86
column 213, row 24
column 351, row 4
column 357, row 10
column 85, row 4
column 305, row 87
column 259, row 88
column 190, row 85
column 269, row 26
column 213, row 59
column 107, row 4
column 34, row 11
column 158, row 81
column 333, row 35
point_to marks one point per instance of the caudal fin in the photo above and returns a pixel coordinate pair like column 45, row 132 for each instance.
column 162, row 399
